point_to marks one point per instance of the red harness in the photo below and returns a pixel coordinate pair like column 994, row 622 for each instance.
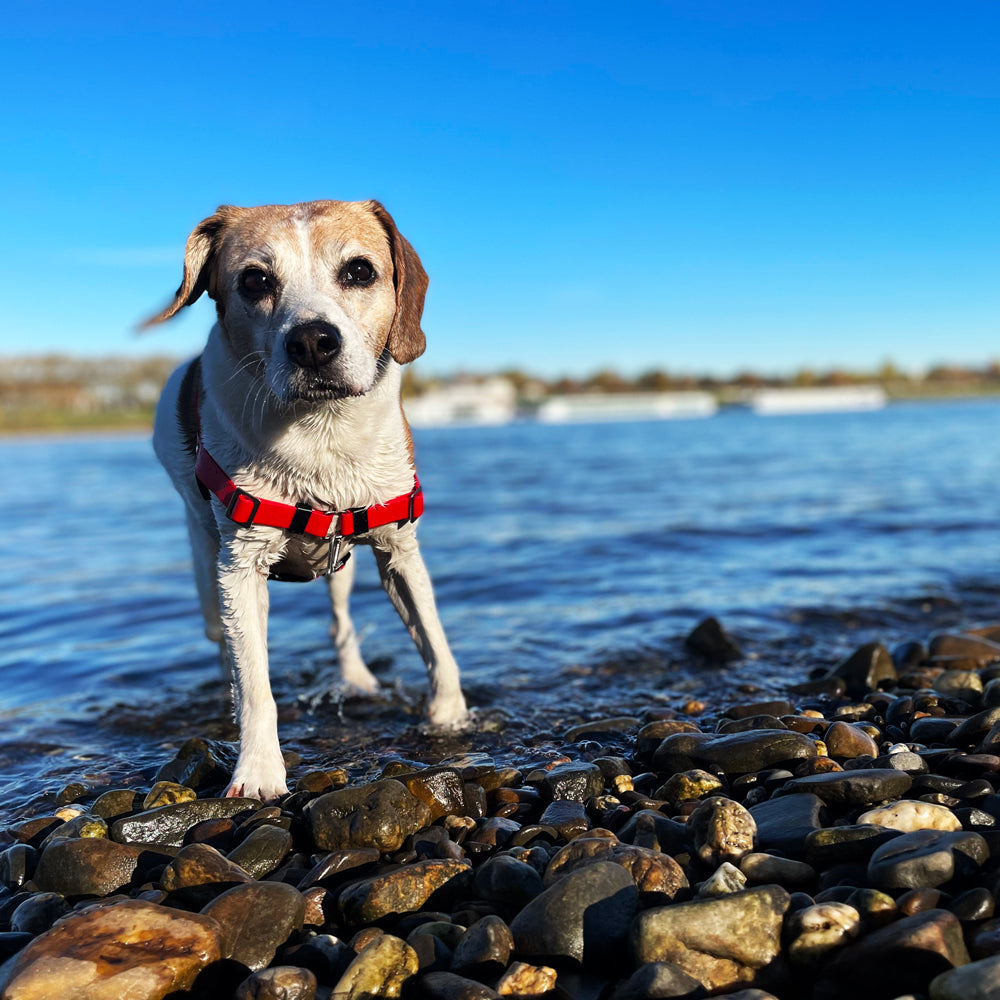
column 246, row 509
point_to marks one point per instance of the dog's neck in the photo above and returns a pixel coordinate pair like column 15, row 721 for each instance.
column 344, row 452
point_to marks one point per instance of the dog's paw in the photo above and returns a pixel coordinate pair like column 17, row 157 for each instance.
column 262, row 783
column 448, row 712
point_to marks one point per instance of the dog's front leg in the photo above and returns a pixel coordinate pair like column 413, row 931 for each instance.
column 260, row 769
column 406, row 581
column 345, row 640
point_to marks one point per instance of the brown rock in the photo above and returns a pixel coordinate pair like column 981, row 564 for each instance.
column 200, row 873
column 129, row 949
column 93, row 866
column 404, row 890
column 523, row 980
column 380, row 970
column 655, row 874
column 721, row 830
column 846, row 741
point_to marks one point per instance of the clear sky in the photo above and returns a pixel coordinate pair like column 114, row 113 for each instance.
column 698, row 186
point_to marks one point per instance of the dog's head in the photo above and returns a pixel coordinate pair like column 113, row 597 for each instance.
column 312, row 296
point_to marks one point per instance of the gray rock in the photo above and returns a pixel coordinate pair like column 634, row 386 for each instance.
column 865, row 786
column 976, row 981
column 900, row 958
column 866, row 668
column 839, row 845
column 723, row 942
column 484, row 949
column 36, row 915
column 784, row 822
column 507, row 880
column 449, row 986
column 256, row 919
column 709, row 640
column 381, row 814
column 926, row 858
column 733, row 754
column 660, row 981
column 584, row 916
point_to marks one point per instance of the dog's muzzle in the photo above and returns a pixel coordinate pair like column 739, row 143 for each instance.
column 313, row 345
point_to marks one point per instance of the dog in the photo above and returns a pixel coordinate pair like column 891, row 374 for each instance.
column 287, row 441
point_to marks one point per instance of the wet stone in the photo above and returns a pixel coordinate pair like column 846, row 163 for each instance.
column 484, row 949
column 449, row 986
column 784, row 823
column 114, row 951
column 721, row 830
column 736, row 753
column 723, row 943
column 899, row 958
column 865, row 669
column 926, row 858
column 381, row 969
column 199, row 873
column 36, row 915
column 845, row 740
column 195, row 765
column 975, row 981
column 17, row 864
column 116, row 802
column 281, row 982
column 658, row 981
column 576, row 781
column 976, row 904
column 331, row 867
column 836, row 845
column 441, row 789
column 168, row 824
column 709, row 640
column 584, row 917
column 166, row 793
column 602, row 728
column 401, row 891
column 567, row 817
column 262, row 851
column 507, row 880
column 817, row 930
column 726, row 879
column 93, row 866
column 764, row 869
column 256, row 919
column 381, row 814
column 862, row 787
column 523, row 980
column 687, row 786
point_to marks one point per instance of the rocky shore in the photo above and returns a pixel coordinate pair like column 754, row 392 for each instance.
column 843, row 840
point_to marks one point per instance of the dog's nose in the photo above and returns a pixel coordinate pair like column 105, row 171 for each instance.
column 312, row 345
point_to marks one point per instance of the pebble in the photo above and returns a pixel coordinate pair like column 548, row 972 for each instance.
column 836, row 841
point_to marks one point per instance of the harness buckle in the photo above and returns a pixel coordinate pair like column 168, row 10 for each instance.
column 234, row 498
column 334, row 562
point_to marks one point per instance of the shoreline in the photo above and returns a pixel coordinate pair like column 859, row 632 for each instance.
column 469, row 878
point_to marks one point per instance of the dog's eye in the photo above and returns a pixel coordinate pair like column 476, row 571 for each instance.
column 358, row 273
column 255, row 283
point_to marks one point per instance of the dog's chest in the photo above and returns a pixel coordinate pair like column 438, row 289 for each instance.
column 304, row 559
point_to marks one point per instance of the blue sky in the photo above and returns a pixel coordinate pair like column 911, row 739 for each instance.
column 696, row 186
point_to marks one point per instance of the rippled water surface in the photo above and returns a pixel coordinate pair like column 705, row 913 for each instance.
column 569, row 563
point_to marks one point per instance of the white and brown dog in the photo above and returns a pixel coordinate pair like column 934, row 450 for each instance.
column 288, row 443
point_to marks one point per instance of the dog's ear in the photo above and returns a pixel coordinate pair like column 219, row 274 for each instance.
column 406, row 340
column 198, row 254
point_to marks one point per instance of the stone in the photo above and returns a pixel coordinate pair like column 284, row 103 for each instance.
column 404, row 890
column 908, row 815
column 963, row 684
column 200, row 873
column 449, row 986
column 507, row 880
column 523, row 980
column 865, row 669
column 93, row 866
column 17, row 864
column 331, row 867
column 256, row 919
column 602, row 728
column 567, row 817
column 724, row 943
column 262, row 851
column 281, row 982
column 721, row 830
column 709, row 640
column 167, row 825
column 195, row 765
column 381, row 969
column 726, row 879
column 865, row 786
column 817, row 930
column 784, row 822
column 441, row 789
column 659, row 981
column 656, row 875
column 898, row 959
column 584, row 916
column 484, row 949
column 128, row 949
column 381, row 814
column 687, row 785
column 38, row 913
column 763, row 869
column 844, row 740
column 732, row 754
column 926, row 859
column 838, row 845
column 975, row 981
column 165, row 793
column 576, row 781
column 116, row 802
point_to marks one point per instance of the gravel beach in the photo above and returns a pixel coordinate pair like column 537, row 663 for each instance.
column 841, row 839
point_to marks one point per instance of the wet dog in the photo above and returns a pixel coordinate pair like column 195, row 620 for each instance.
column 287, row 440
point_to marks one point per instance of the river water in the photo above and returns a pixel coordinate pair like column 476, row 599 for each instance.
column 569, row 563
